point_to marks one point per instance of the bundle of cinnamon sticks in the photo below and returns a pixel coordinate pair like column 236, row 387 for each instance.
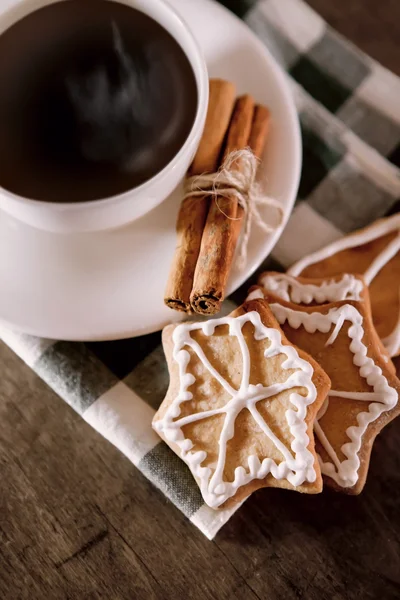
column 208, row 228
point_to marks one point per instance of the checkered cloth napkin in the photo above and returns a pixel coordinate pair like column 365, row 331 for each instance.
column 350, row 116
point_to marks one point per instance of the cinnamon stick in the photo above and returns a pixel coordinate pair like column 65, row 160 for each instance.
column 222, row 227
column 259, row 130
column 193, row 211
column 221, row 233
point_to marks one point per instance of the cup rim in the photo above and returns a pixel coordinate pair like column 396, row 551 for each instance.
column 199, row 67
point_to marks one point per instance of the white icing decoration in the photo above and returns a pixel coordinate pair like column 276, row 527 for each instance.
column 297, row 465
column 380, row 261
column 290, row 289
column 392, row 341
column 359, row 238
column 381, row 399
column 255, row 295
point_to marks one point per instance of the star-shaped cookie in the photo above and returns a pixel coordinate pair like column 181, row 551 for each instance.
column 313, row 291
column 375, row 253
column 241, row 405
column 364, row 388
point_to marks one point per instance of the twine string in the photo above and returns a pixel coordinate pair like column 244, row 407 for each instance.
column 237, row 178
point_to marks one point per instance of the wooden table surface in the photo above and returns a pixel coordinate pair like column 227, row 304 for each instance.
column 78, row 521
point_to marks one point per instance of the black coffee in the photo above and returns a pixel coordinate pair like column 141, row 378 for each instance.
column 96, row 98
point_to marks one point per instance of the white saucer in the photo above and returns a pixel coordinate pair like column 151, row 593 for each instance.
column 110, row 285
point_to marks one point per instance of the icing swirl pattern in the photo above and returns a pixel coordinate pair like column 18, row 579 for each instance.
column 382, row 397
column 297, row 465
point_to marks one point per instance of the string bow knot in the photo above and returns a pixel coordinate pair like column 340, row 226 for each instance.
column 237, row 178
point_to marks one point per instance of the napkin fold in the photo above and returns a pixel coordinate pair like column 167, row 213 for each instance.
column 350, row 121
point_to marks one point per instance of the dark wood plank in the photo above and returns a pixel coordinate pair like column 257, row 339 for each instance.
column 78, row 517
column 352, row 543
column 78, row 521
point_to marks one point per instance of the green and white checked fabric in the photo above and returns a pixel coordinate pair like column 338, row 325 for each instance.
column 357, row 90
column 350, row 119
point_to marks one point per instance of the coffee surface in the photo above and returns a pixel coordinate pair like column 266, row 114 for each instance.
column 96, row 98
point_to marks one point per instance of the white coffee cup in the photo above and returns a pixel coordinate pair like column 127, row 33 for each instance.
column 121, row 209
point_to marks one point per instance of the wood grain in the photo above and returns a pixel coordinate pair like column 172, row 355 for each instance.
column 78, row 521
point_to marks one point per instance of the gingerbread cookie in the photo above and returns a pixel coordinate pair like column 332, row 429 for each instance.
column 375, row 253
column 364, row 389
column 311, row 292
column 241, row 405
column 301, row 290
